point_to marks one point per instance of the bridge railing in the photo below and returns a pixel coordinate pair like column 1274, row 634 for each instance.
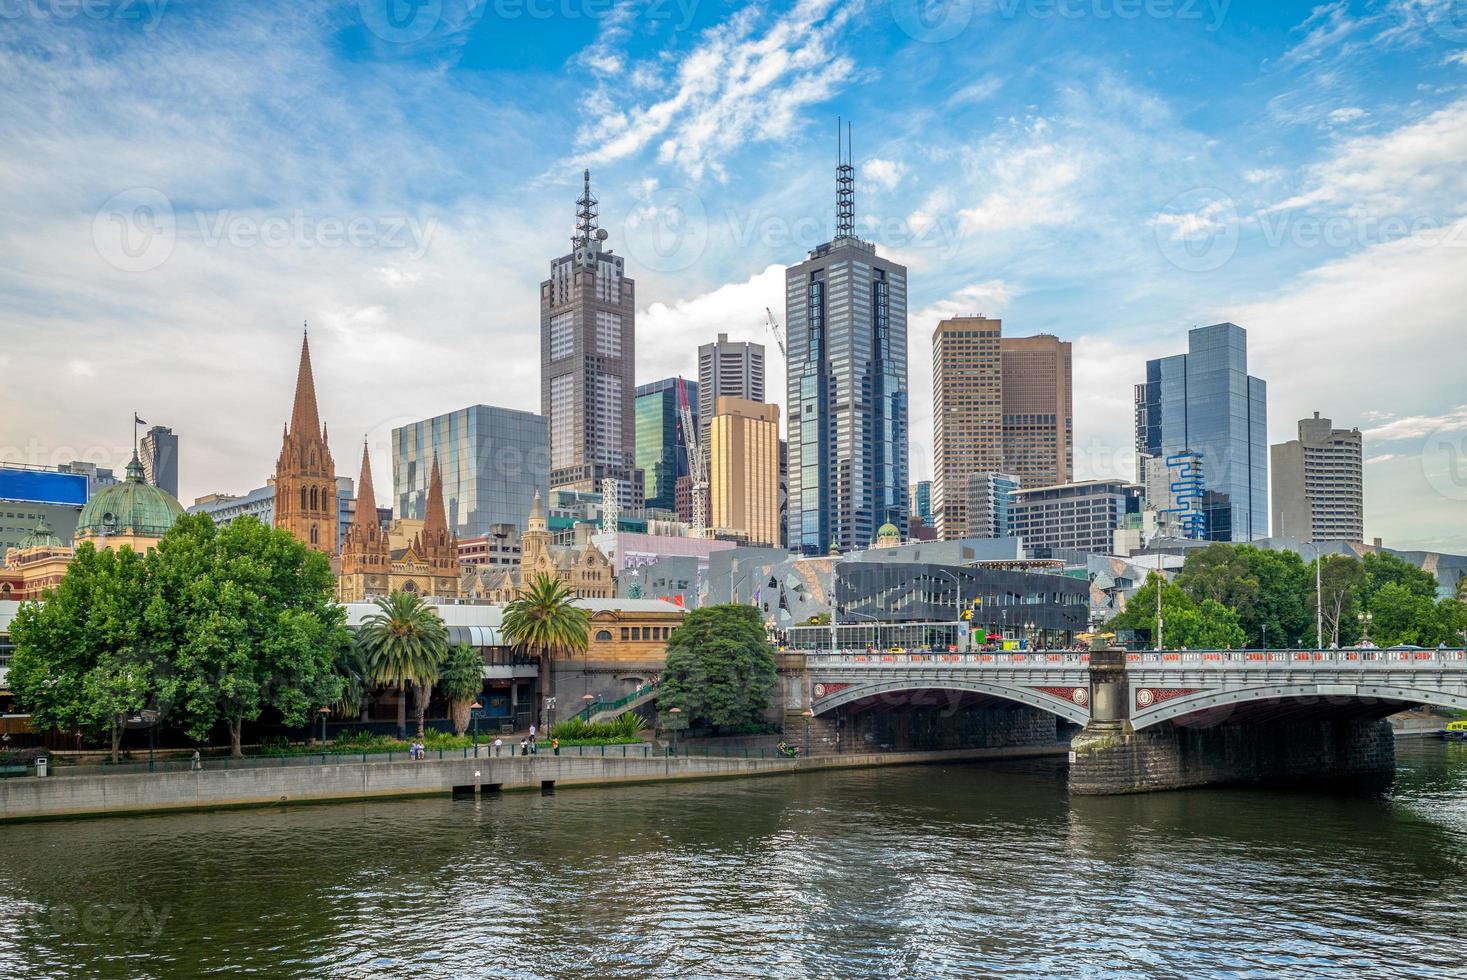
column 1061, row 659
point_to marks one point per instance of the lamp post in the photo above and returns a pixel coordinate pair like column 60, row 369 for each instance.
column 678, row 712
column 1365, row 620
column 549, row 715
column 323, row 712
column 809, row 713
column 474, row 710
column 590, row 699
column 958, row 584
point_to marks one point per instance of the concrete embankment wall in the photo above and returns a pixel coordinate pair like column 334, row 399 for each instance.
column 84, row 795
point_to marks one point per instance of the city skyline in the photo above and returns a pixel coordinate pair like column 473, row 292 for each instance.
column 1016, row 186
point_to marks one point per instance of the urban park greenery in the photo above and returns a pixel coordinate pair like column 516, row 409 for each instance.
column 461, row 681
column 406, row 645
column 214, row 626
column 720, row 668
column 545, row 621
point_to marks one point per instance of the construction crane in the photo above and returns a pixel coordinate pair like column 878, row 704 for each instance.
column 778, row 334
column 697, row 464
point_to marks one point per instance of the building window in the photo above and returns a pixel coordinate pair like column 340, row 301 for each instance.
column 603, row 636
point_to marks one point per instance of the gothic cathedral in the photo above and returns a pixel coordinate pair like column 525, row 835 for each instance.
column 305, row 474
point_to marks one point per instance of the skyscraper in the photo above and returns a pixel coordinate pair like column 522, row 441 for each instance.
column 846, row 313
column 1319, row 484
column 1204, row 401
column 662, row 446
column 967, row 415
column 919, row 501
column 305, row 475
column 493, row 462
column 728, row 369
column 990, row 504
column 1038, row 412
column 159, row 453
column 587, row 356
column 743, row 467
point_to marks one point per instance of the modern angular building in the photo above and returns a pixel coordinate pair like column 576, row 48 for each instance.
column 967, row 415
column 662, row 446
column 743, row 467
column 493, row 462
column 1038, row 409
column 990, row 504
column 1073, row 516
column 728, row 369
column 1319, row 484
column 1206, row 402
column 159, row 452
column 919, row 501
column 846, row 316
column 1175, row 491
column 587, row 357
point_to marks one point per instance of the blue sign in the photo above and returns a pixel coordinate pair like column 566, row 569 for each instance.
column 43, row 487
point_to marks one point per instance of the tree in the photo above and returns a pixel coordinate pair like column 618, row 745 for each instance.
column 1386, row 569
column 406, row 644
column 544, row 621
column 1341, row 580
column 461, row 681
column 244, row 621
column 84, row 660
column 720, row 668
column 1205, row 625
column 355, row 674
column 1265, row 588
column 1401, row 616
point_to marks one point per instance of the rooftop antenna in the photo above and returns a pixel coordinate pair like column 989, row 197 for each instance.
column 586, row 214
column 845, row 184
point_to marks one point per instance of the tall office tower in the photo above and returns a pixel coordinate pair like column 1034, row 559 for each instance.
column 1205, row 401
column 159, row 453
column 743, row 468
column 967, row 415
column 1319, row 484
column 306, row 493
column 662, row 446
column 919, row 501
column 990, row 501
column 1038, row 409
column 493, row 462
column 728, row 369
column 587, row 355
column 846, row 315
column 1175, row 489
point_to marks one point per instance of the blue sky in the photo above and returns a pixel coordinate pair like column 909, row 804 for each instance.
column 184, row 183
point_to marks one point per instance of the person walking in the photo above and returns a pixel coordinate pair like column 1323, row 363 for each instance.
column 197, row 765
column 555, row 745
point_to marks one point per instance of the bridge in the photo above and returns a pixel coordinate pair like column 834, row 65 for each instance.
column 1146, row 720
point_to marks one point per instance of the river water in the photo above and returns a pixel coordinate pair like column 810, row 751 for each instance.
column 956, row 870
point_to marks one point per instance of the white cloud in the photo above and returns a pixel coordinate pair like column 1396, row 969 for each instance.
column 1263, row 175
column 1347, row 115
column 1418, row 426
column 882, row 174
column 1027, row 179
column 1456, row 58
column 1207, row 220
column 974, row 92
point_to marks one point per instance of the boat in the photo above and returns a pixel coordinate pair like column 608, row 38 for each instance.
column 1455, row 731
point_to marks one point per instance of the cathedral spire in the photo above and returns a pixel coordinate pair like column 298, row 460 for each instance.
column 436, row 519
column 304, row 416
column 366, row 515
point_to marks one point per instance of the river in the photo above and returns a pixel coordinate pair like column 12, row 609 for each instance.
column 956, row 870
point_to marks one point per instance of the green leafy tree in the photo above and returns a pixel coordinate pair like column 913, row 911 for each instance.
column 406, row 644
column 244, row 617
column 1265, row 588
column 1386, row 569
column 1451, row 622
column 355, row 674
column 1341, row 581
column 84, row 659
column 461, row 681
column 720, row 668
column 545, row 621
column 1402, row 616
column 1205, row 625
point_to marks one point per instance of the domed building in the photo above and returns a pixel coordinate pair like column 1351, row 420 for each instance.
column 35, row 566
column 131, row 513
column 887, row 536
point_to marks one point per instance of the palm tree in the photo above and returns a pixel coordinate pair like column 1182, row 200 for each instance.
column 544, row 621
column 406, row 643
column 356, row 678
column 462, row 680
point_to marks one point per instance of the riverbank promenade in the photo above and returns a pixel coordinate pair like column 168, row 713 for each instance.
column 349, row 778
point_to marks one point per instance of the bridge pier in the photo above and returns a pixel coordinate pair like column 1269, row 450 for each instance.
column 1110, row 757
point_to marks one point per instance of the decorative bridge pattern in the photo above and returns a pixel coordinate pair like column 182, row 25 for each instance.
column 1163, row 684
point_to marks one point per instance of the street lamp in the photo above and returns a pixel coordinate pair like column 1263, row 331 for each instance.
column 474, row 710
column 323, row 712
column 809, row 713
column 549, row 715
column 675, row 711
column 1365, row 620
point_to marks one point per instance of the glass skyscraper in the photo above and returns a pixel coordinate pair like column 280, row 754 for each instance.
column 493, row 462
column 846, row 311
column 662, row 451
column 1205, row 401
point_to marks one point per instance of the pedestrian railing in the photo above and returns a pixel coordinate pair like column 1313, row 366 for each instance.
column 598, row 707
column 1368, row 656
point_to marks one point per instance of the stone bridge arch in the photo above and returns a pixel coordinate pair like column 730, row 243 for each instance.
column 1053, row 703
column 1283, row 701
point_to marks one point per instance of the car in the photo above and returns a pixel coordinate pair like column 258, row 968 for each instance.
column 897, row 650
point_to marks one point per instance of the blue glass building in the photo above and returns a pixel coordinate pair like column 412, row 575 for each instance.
column 1205, row 402
column 493, row 462
column 662, row 450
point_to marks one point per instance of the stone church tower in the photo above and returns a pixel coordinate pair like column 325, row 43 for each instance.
column 305, row 474
column 366, row 560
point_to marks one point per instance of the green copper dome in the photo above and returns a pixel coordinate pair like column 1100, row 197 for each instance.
column 129, row 507
column 41, row 537
column 887, row 530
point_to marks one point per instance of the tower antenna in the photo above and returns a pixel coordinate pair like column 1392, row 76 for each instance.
column 845, row 185
column 586, row 214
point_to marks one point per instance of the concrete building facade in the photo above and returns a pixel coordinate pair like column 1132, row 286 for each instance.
column 990, row 504
column 1038, row 409
column 1073, row 516
column 743, row 467
column 727, row 369
column 1319, row 484
column 967, row 415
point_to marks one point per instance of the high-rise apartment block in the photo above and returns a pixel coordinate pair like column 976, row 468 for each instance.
column 743, row 466
column 1079, row 517
column 1038, row 409
column 662, row 446
column 846, row 314
column 990, row 504
column 727, row 369
column 1206, row 402
column 587, row 355
column 1319, row 484
column 159, row 454
column 967, row 415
